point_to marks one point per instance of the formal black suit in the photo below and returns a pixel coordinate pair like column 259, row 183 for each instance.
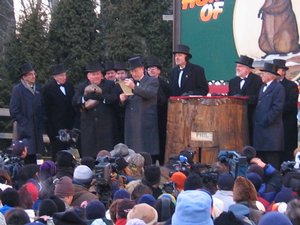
column 268, row 138
column 193, row 81
column 59, row 111
column 289, row 118
column 251, row 89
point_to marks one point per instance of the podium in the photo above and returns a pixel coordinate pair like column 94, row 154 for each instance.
column 206, row 125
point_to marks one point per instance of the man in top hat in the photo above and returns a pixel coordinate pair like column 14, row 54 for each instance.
column 26, row 108
column 57, row 98
column 122, row 72
column 186, row 78
column 110, row 73
column 268, row 137
column 246, row 83
column 290, row 110
column 154, row 69
column 96, row 97
column 141, row 126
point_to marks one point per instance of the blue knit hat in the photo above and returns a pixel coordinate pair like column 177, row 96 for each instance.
column 121, row 194
column 95, row 210
column 193, row 207
column 274, row 218
column 148, row 199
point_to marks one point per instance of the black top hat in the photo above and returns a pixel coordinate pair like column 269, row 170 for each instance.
column 58, row 69
column 26, row 68
column 135, row 62
column 120, row 66
column 245, row 60
column 280, row 63
column 182, row 49
column 93, row 67
column 270, row 68
column 152, row 61
column 109, row 65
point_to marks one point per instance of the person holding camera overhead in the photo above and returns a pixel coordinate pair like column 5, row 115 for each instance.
column 96, row 98
column 186, row 78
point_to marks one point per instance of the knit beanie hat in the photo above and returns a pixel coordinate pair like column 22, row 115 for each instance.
column 193, row 207
column 48, row 168
column 47, row 207
column 225, row 181
column 179, row 179
column 274, row 218
column 249, row 152
column 244, row 190
column 18, row 146
column 144, row 212
column 136, row 160
column 147, row 158
column 255, row 179
column 88, row 161
column 121, row 194
column 123, row 207
column 82, row 175
column 285, row 195
column 64, row 187
column 148, row 199
column 152, row 174
column 69, row 217
column 32, row 190
column 94, row 210
column 256, row 169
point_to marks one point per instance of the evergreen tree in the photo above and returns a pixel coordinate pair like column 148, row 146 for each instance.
column 29, row 44
column 135, row 27
column 73, row 34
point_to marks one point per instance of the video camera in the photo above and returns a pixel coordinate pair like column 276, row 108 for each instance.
column 237, row 164
column 181, row 165
column 288, row 166
column 68, row 136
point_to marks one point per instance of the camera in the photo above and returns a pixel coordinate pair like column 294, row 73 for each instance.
column 181, row 165
column 236, row 163
column 287, row 166
column 68, row 136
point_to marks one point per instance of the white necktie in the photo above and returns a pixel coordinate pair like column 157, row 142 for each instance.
column 242, row 82
column 179, row 78
column 265, row 88
column 63, row 90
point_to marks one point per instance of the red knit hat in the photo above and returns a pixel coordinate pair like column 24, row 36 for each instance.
column 179, row 179
column 33, row 190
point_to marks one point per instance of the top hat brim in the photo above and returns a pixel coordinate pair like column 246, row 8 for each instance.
column 268, row 71
column 282, row 67
column 237, row 62
column 59, row 72
column 187, row 53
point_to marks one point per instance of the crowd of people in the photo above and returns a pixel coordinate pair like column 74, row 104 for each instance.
column 120, row 112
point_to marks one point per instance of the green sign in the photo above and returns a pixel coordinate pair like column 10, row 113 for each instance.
column 206, row 26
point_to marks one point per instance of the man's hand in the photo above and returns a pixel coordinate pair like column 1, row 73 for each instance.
column 258, row 162
column 123, row 97
column 129, row 83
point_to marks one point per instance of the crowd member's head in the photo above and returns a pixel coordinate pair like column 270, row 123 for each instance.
column 249, row 152
column 165, row 209
column 193, row 182
column 26, row 200
column 110, row 72
column 281, row 67
column 88, row 161
column 64, row 189
column 147, row 158
column 179, row 179
column 121, row 194
column 244, row 190
column 10, row 197
column 148, row 199
column 5, row 178
column 136, row 67
column 47, row 207
column 83, row 175
column 123, row 208
column 293, row 211
column 65, row 159
column 269, row 72
column 16, row 216
column 144, row 212
column 225, row 182
column 153, row 67
column 72, row 216
column 19, row 148
column 95, row 209
column 152, row 175
column 227, row 218
column 193, row 207
column 27, row 73
column 274, row 218
column 46, row 170
column 121, row 69
column 140, row 190
column 61, row 207
column 94, row 72
column 135, row 166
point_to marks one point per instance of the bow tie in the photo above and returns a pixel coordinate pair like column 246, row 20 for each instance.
column 61, row 85
column 137, row 82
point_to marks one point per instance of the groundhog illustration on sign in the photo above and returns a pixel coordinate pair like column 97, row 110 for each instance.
column 279, row 32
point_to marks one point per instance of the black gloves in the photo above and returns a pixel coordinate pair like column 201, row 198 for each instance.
column 93, row 96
